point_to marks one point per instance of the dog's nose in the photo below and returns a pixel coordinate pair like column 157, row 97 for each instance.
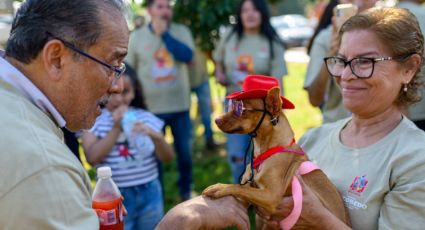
column 218, row 121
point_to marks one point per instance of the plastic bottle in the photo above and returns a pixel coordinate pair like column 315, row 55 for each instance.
column 107, row 202
column 135, row 140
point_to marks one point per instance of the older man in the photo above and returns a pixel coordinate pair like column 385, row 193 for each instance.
column 62, row 61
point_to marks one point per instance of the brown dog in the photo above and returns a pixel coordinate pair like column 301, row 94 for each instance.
column 272, row 179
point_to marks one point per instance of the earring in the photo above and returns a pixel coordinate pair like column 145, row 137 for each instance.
column 405, row 87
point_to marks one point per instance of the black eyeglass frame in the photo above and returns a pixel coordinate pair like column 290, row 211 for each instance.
column 118, row 71
column 373, row 60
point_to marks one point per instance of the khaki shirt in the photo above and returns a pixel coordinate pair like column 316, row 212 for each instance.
column 42, row 185
column 248, row 56
column 164, row 80
column 382, row 185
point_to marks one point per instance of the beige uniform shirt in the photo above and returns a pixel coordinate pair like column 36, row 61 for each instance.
column 333, row 108
column 382, row 185
column 42, row 185
column 165, row 81
column 250, row 55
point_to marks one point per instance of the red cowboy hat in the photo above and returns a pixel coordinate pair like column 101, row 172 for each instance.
column 257, row 86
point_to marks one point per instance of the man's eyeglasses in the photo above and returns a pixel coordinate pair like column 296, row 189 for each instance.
column 361, row 67
column 237, row 107
column 117, row 70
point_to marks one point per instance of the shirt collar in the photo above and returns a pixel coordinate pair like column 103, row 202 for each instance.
column 14, row 77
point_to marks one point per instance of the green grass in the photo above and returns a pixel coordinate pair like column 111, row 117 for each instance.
column 210, row 167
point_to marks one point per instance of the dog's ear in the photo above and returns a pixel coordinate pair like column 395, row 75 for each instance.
column 273, row 102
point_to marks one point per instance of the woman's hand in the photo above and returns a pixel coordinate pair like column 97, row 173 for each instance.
column 311, row 212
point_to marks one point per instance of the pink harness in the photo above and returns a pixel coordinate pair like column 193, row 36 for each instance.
column 297, row 194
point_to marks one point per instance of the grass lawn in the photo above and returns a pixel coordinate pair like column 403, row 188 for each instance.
column 210, row 167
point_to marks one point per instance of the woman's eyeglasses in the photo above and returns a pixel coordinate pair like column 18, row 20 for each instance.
column 361, row 67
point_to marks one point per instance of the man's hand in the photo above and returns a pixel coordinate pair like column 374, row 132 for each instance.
column 205, row 213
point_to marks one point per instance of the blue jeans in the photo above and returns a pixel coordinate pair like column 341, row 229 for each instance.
column 144, row 204
column 236, row 147
column 204, row 103
column 181, row 129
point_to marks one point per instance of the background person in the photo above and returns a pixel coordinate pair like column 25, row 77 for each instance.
column 251, row 47
column 135, row 172
column 63, row 59
column 160, row 52
column 199, row 83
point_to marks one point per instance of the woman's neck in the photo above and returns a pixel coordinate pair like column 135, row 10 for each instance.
column 252, row 31
column 361, row 132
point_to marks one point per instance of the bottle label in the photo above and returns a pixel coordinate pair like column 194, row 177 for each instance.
column 107, row 217
column 109, row 213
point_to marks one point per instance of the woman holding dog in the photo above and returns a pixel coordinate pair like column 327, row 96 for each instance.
column 376, row 158
column 251, row 47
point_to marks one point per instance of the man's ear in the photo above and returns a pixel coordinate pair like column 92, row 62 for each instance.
column 54, row 53
column 273, row 102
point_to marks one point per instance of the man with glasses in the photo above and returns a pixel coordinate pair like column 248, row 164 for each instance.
column 321, row 88
column 63, row 60
column 160, row 52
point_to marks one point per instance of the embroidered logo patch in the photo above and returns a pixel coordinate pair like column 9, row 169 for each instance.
column 359, row 184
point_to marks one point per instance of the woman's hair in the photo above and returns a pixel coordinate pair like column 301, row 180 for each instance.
column 266, row 29
column 398, row 30
column 325, row 21
column 139, row 98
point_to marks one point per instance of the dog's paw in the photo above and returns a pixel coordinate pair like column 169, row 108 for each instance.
column 214, row 191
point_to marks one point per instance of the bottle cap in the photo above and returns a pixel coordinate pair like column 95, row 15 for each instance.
column 104, row 171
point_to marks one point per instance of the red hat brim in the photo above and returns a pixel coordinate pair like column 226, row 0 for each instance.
column 252, row 94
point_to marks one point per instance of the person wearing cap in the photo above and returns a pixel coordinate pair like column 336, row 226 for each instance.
column 252, row 46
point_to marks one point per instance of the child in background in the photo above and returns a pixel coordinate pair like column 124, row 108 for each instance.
column 134, row 172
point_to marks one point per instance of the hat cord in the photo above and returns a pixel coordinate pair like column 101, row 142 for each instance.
column 252, row 135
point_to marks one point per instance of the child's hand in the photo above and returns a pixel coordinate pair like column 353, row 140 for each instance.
column 141, row 127
column 118, row 114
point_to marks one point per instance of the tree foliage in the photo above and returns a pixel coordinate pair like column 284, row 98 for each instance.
column 204, row 18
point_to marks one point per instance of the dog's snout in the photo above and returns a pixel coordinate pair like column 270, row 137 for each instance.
column 218, row 121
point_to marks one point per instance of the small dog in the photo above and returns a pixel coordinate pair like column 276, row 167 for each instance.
column 257, row 110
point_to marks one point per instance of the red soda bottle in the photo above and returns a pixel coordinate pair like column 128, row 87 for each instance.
column 107, row 201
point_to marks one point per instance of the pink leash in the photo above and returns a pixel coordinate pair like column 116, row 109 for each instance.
column 297, row 195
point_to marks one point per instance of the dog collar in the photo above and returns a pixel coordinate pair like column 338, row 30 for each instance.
column 278, row 149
